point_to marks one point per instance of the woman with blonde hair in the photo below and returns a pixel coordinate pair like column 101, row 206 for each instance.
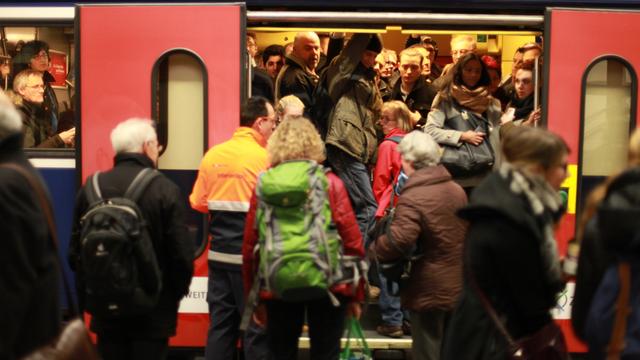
column 395, row 121
column 294, row 144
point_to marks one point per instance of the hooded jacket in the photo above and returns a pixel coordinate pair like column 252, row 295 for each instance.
column 357, row 102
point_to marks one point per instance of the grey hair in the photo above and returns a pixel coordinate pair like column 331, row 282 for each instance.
column 289, row 104
column 10, row 120
column 419, row 148
column 131, row 134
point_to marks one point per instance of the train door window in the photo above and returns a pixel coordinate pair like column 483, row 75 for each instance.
column 179, row 86
column 46, row 102
column 609, row 86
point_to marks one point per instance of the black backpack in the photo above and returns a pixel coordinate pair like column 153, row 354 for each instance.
column 120, row 269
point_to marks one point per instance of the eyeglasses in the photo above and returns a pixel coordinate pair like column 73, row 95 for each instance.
column 460, row 52
column 41, row 55
column 38, row 86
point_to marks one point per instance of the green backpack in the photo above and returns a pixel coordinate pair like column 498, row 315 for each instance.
column 299, row 248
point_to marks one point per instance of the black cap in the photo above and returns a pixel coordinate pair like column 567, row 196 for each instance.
column 375, row 44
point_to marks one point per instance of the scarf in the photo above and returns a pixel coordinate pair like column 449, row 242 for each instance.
column 523, row 107
column 547, row 207
column 477, row 100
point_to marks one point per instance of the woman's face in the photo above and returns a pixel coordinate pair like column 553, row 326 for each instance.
column 471, row 73
column 388, row 121
column 556, row 175
column 524, row 83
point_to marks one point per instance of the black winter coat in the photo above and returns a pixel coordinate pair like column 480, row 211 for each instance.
column 502, row 251
column 164, row 209
column 293, row 79
column 29, row 278
column 419, row 99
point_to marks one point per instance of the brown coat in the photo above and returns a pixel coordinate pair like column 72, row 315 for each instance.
column 426, row 213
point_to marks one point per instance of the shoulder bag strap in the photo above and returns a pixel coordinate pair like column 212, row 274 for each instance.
column 623, row 310
column 48, row 213
column 486, row 304
column 92, row 189
column 140, row 183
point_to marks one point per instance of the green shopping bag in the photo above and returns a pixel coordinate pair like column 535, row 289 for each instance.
column 355, row 334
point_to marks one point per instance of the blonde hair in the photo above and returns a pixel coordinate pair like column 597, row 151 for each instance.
column 401, row 113
column 295, row 139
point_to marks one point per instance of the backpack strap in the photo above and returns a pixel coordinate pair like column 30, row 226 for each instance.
column 140, row 183
column 396, row 139
column 92, row 190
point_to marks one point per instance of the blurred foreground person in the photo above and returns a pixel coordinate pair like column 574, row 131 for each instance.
column 511, row 265
column 608, row 237
column 29, row 278
column 425, row 219
column 143, row 335
column 297, row 182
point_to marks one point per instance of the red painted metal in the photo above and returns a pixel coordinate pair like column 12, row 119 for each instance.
column 577, row 38
column 119, row 46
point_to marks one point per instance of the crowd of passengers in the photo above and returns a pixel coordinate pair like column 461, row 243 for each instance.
column 486, row 235
column 377, row 97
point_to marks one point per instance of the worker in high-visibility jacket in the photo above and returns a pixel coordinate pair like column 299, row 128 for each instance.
column 226, row 179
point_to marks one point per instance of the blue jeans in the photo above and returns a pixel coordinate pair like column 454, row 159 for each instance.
column 355, row 177
column 225, row 297
column 390, row 310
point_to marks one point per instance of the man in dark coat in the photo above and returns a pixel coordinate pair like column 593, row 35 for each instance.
column 298, row 76
column 413, row 89
column 29, row 278
column 163, row 207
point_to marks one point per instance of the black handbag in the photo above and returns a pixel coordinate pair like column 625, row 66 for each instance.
column 466, row 159
column 73, row 341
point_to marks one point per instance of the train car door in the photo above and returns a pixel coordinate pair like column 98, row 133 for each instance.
column 181, row 66
column 591, row 100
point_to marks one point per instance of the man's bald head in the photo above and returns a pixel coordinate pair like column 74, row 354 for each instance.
column 306, row 47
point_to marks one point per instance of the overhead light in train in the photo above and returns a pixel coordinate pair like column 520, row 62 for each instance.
column 316, row 29
column 471, row 32
column 15, row 34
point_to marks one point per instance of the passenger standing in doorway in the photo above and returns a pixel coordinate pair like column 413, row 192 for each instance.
column 351, row 138
column 35, row 56
column 298, row 76
column 465, row 95
column 461, row 45
column 226, row 179
column 144, row 336
column 413, row 89
column 395, row 122
column 29, row 277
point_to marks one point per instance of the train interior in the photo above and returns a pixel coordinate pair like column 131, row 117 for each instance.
column 179, row 99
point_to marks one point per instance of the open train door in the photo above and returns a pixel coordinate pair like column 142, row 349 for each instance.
column 180, row 65
column 590, row 98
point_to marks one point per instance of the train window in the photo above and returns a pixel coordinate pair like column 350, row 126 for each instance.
column 35, row 69
column 179, row 93
column 609, row 96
